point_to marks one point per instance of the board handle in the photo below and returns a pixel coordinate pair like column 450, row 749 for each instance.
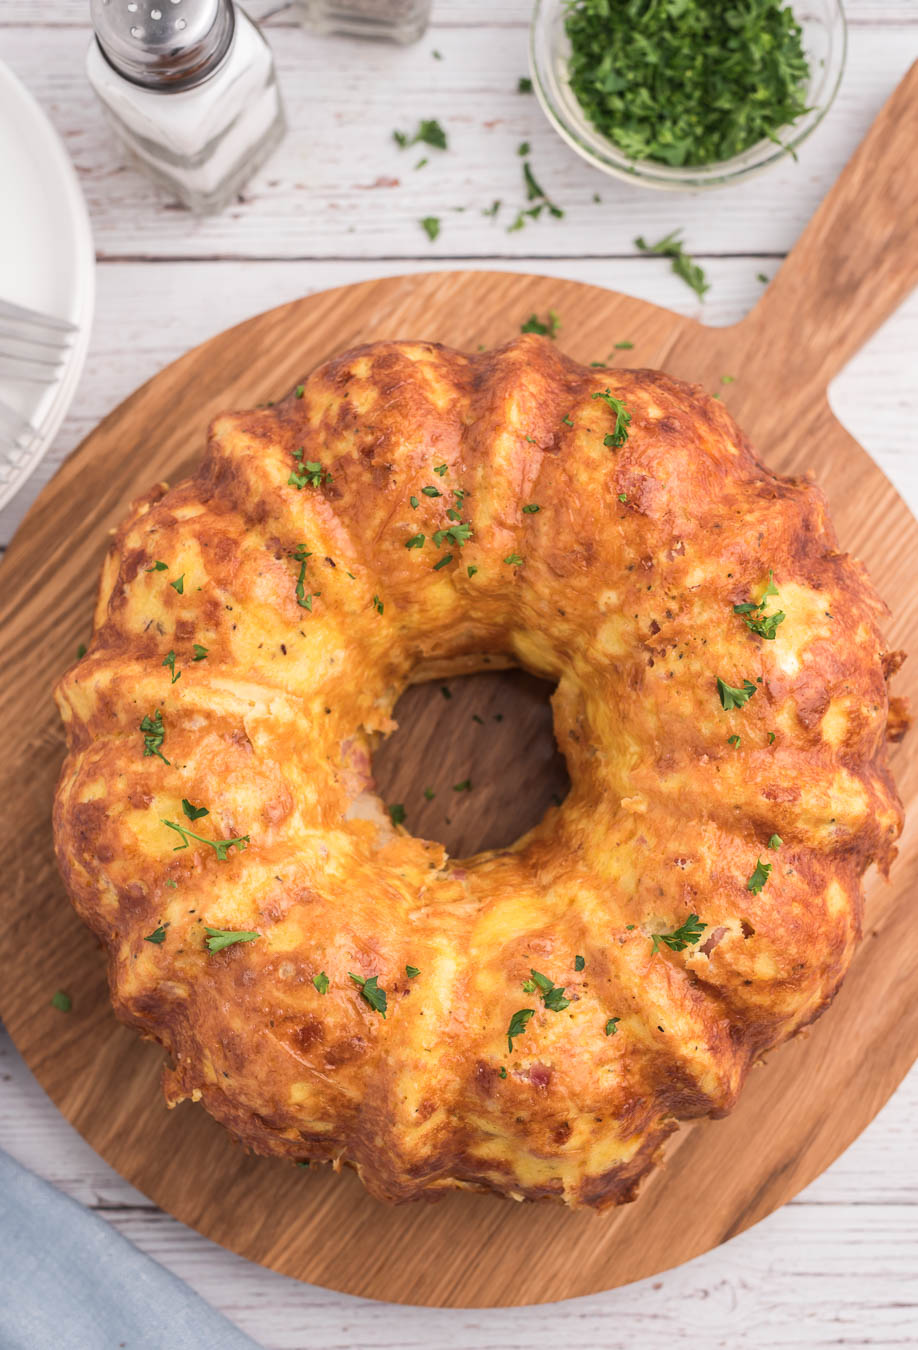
column 856, row 261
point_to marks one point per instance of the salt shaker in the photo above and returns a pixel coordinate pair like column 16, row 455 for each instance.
column 397, row 20
column 190, row 89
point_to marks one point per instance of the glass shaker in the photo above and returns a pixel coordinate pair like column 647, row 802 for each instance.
column 396, row 20
column 190, row 90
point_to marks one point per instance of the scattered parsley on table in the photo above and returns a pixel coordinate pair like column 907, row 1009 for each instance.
column 670, row 246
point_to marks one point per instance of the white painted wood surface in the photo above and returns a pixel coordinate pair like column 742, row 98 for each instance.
column 838, row 1266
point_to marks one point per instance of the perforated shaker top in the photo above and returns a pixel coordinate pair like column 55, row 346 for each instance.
column 164, row 44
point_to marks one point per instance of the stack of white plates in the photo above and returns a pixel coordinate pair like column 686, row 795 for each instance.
column 46, row 262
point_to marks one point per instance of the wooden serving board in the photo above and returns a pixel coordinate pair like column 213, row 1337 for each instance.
column 855, row 262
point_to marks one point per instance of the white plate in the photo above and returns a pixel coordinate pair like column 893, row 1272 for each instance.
column 47, row 261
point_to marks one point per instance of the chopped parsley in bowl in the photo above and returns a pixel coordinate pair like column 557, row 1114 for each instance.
column 686, row 93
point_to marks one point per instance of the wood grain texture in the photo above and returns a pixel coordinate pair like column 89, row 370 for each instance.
column 796, row 1115
column 148, row 314
column 338, row 186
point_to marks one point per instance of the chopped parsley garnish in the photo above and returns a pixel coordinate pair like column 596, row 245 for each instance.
column 81, row 651
column 194, row 812
column 397, row 813
column 416, row 541
column 157, row 567
column 684, row 936
column 440, row 469
column 464, row 786
column 429, row 794
column 535, row 192
column 457, row 534
column 370, row 991
column 532, row 212
column 759, row 876
column 771, row 738
column 199, row 651
column 727, row 379
column 299, row 390
column 530, row 509
column 765, row 625
column 683, row 266
column 179, row 584
column 612, row 1025
column 311, row 473
column 552, row 994
column 447, row 693
column 623, row 497
column 523, row 148
column 686, row 83
column 623, row 346
column 218, row 938
column 301, row 555
column 566, row 420
column 169, row 660
column 535, row 325
column 492, row 210
column 513, row 560
column 429, row 132
column 524, row 85
column 158, row 936
column 321, row 982
column 431, row 226
column 775, row 841
column 471, row 571
column 518, row 1025
column 619, row 435
column 760, row 276
column 154, row 733
column 529, row 986
column 503, row 1071
column 733, row 740
column 579, row 963
column 220, row 846
column 431, row 491
column 414, row 502
column 378, row 604
column 411, row 971
column 734, row 698
column 63, row 1002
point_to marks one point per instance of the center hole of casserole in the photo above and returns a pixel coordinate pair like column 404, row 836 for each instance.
column 474, row 762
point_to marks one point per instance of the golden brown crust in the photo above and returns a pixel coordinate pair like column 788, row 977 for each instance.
column 624, row 594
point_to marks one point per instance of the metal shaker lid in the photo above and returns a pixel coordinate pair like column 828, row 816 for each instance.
column 164, row 44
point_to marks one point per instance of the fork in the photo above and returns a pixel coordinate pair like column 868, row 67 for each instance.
column 32, row 345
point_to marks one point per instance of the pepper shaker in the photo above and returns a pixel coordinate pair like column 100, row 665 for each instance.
column 189, row 88
column 395, row 20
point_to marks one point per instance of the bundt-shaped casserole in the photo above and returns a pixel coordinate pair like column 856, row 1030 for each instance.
column 533, row 1021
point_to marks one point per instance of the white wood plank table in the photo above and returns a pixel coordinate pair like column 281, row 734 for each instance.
column 340, row 202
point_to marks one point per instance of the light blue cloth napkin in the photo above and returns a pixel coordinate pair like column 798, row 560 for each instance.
column 68, row 1281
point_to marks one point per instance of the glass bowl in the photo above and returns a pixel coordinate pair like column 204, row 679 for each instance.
column 824, row 40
